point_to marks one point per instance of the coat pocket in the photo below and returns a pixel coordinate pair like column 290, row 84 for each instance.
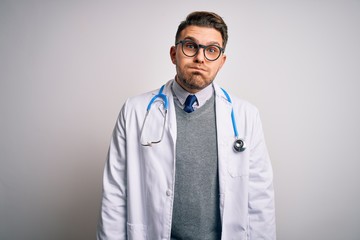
column 238, row 163
column 136, row 231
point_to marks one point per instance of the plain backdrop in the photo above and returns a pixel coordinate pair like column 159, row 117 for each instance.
column 66, row 67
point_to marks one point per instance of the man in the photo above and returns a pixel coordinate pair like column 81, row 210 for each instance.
column 173, row 170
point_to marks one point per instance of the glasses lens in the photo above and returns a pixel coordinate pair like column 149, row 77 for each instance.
column 212, row 52
column 189, row 48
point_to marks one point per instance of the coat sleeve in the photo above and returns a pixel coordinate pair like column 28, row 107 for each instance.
column 112, row 222
column 261, row 193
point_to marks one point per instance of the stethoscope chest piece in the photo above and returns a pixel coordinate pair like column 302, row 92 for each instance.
column 239, row 145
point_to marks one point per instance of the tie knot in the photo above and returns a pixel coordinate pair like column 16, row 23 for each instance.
column 190, row 100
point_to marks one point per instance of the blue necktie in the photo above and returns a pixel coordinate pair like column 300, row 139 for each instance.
column 190, row 100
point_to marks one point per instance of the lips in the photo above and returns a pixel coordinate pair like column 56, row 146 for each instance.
column 197, row 69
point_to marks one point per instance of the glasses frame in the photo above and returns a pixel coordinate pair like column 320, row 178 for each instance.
column 204, row 47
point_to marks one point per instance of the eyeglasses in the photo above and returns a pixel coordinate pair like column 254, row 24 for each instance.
column 191, row 48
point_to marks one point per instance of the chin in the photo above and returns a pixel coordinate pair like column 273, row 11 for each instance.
column 196, row 81
column 199, row 84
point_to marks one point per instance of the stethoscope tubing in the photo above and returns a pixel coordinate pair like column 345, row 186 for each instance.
column 236, row 134
column 239, row 144
column 159, row 95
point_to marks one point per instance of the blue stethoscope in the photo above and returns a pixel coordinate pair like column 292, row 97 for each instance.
column 239, row 144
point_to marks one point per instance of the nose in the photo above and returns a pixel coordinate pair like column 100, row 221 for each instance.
column 200, row 56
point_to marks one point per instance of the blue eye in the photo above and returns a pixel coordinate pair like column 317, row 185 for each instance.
column 212, row 49
column 190, row 45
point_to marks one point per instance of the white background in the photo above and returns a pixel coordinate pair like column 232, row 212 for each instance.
column 66, row 68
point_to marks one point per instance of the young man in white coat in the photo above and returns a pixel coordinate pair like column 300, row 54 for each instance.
column 188, row 160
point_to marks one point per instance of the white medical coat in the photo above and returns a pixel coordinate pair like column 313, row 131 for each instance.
column 138, row 181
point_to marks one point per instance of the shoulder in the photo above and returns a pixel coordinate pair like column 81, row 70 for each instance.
column 238, row 104
column 141, row 101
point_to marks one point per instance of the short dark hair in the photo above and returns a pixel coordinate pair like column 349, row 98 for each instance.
column 204, row 19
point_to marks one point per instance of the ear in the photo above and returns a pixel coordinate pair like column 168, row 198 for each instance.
column 223, row 60
column 173, row 54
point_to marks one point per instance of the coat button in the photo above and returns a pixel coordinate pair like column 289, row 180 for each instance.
column 168, row 193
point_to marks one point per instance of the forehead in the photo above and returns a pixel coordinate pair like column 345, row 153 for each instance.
column 203, row 35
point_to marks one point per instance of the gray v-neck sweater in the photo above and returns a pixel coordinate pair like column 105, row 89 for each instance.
column 196, row 212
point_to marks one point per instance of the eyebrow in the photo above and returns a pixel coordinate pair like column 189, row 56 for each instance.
column 195, row 40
